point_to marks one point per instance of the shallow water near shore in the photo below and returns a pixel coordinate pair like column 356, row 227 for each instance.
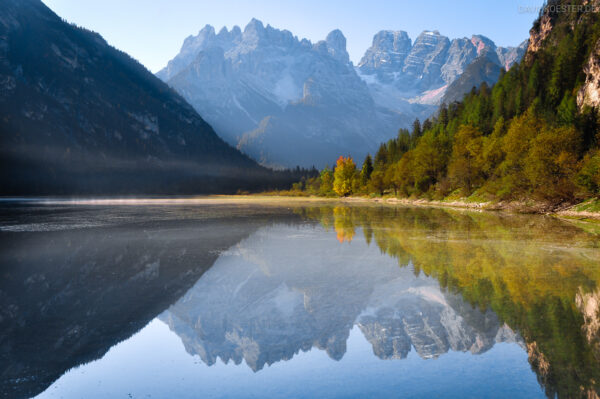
column 293, row 299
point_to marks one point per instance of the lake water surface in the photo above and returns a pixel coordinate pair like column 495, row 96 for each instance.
column 233, row 299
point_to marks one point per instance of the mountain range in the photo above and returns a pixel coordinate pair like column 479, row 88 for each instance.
column 287, row 101
column 79, row 116
column 424, row 71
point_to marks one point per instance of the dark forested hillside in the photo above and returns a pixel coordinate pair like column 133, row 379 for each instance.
column 534, row 134
column 80, row 117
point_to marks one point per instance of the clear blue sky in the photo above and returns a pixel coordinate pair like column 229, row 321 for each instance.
column 152, row 31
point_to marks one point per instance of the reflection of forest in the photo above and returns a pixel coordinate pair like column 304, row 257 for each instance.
column 538, row 274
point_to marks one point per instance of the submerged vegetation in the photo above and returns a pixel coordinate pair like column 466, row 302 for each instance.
column 524, row 138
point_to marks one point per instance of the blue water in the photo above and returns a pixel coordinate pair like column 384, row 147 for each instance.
column 154, row 364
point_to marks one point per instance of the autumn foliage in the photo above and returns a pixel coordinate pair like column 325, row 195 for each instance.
column 344, row 176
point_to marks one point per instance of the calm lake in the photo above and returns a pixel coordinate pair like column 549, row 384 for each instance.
column 226, row 299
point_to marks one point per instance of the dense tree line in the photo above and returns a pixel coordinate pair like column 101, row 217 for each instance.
column 525, row 137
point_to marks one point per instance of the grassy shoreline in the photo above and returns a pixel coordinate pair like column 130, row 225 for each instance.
column 589, row 209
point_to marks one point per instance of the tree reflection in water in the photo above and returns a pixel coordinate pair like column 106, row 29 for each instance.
column 538, row 274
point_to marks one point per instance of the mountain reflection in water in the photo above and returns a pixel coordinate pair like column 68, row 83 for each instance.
column 265, row 284
column 265, row 300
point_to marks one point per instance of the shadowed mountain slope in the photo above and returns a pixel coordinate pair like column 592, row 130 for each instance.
column 78, row 116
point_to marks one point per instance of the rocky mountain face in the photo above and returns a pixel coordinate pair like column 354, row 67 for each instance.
column 263, row 302
column 399, row 72
column 79, row 116
column 552, row 22
column 282, row 100
column 485, row 68
column 589, row 93
column 286, row 101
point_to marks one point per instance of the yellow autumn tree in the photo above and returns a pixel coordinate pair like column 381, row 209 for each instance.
column 343, row 176
column 466, row 164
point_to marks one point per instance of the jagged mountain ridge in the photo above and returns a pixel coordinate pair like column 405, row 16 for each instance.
column 422, row 72
column 485, row 68
column 282, row 100
column 287, row 101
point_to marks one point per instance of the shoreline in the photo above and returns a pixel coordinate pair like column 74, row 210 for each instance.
column 519, row 207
